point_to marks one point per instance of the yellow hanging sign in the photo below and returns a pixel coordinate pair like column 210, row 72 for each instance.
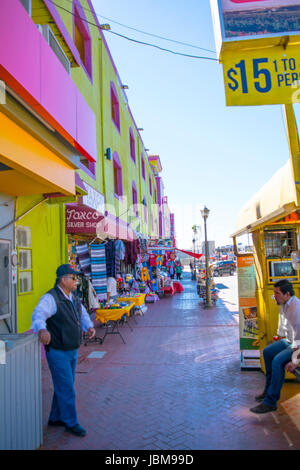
column 262, row 76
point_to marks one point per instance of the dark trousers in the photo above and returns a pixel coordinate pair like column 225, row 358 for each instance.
column 62, row 366
column 276, row 356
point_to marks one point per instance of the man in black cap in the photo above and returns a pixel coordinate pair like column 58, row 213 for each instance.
column 59, row 319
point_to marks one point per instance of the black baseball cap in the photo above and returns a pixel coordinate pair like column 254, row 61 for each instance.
column 66, row 269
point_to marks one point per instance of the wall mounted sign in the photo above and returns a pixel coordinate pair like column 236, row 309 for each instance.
column 261, row 77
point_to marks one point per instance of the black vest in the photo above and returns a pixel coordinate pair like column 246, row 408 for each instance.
column 65, row 325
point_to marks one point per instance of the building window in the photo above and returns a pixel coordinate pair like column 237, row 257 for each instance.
column 280, row 243
column 143, row 166
column 24, row 250
column 132, row 145
column 115, row 108
column 88, row 167
column 82, row 37
column 135, row 199
column 117, row 169
column 150, row 185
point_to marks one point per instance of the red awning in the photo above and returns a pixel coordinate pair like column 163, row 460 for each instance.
column 190, row 253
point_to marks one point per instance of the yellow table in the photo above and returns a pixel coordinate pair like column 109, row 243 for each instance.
column 137, row 300
column 113, row 315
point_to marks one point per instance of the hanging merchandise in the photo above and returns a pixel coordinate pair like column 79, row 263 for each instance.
column 142, row 286
column 82, row 252
column 144, row 259
column 135, row 286
column 110, row 258
column 154, row 285
column 120, row 249
column 98, row 270
column 143, row 245
column 159, row 260
column 145, row 274
column 152, row 260
column 93, row 299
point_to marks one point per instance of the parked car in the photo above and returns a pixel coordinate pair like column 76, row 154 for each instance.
column 224, row 268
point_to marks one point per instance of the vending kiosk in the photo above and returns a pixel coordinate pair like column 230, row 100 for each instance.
column 272, row 219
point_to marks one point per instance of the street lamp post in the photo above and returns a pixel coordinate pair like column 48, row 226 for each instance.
column 194, row 262
column 205, row 213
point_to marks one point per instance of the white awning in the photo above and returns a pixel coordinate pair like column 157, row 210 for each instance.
column 276, row 199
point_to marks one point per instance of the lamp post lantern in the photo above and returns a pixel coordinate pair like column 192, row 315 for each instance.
column 205, row 214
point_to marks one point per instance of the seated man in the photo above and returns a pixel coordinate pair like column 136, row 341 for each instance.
column 278, row 354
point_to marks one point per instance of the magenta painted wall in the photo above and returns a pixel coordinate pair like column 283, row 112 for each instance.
column 30, row 67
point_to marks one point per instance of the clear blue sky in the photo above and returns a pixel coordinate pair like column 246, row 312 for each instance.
column 211, row 154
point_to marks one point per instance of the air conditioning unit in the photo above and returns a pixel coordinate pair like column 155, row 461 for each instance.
column 55, row 46
column 27, row 5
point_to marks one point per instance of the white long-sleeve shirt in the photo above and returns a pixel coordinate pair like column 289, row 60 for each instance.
column 289, row 321
column 47, row 307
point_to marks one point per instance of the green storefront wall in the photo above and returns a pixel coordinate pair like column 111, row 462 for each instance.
column 45, row 236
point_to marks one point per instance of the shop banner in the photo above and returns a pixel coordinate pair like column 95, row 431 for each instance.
column 242, row 19
column 262, row 76
column 162, row 243
column 82, row 219
column 247, row 302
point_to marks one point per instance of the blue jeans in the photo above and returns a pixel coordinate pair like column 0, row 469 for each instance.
column 62, row 366
column 276, row 356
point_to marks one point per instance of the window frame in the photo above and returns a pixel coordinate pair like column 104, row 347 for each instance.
column 132, row 145
column 150, row 186
column 135, row 202
column 143, row 167
column 118, row 167
column 115, row 107
column 20, row 270
column 145, row 210
column 79, row 19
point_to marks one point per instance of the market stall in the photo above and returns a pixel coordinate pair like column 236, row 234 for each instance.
column 137, row 299
column 272, row 219
column 162, row 267
column 113, row 315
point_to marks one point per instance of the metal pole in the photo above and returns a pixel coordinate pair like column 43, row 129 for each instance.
column 207, row 278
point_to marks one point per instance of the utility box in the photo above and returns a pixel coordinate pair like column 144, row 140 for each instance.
column 20, row 392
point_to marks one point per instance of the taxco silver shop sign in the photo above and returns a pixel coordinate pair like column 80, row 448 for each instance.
column 81, row 219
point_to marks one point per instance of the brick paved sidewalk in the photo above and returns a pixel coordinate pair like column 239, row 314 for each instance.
column 175, row 385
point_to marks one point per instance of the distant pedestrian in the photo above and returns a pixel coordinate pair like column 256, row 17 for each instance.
column 192, row 270
column 178, row 271
column 59, row 319
column 171, row 271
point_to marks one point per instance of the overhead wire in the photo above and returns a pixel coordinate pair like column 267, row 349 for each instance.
column 147, row 33
column 135, row 40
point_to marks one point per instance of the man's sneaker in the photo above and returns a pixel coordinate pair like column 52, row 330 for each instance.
column 55, row 423
column 263, row 408
column 77, row 430
column 261, row 396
